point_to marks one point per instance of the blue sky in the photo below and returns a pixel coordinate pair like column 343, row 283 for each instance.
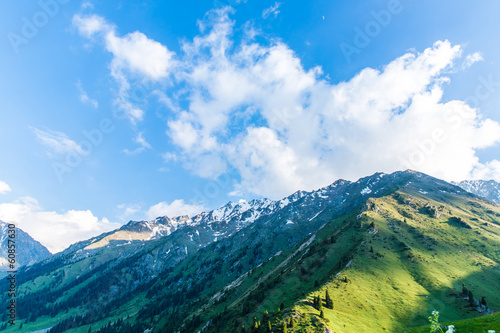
column 130, row 110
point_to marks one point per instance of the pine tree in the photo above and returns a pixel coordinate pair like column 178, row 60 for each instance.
column 322, row 314
column 483, row 301
column 255, row 325
column 282, row 306
column 328, row 300
column 464, row 290
column 316, row 284
column 291, row 323
column 283, row 327
column 471, row 298
column 317, row 303
column 265, row 316
column 320, row 304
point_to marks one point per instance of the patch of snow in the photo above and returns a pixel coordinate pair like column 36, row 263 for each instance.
column 312, row 218
column 366, row 190
column 289, row 222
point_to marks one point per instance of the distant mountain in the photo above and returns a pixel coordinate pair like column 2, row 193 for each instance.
column 488, row 189
column 213, row 225
column 28, row 250
column 388, row 248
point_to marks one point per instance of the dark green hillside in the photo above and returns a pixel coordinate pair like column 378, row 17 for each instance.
column 388, row 250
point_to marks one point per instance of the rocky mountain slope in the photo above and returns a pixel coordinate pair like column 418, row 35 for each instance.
column 488, row 189
column 28, row 250
column 388, row 248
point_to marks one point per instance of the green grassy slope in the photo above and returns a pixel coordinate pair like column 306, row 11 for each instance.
column 387, row 262
column 418, row 265
column 478, row 325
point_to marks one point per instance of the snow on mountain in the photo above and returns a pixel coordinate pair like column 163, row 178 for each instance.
column 28, row 250
column 488, row 189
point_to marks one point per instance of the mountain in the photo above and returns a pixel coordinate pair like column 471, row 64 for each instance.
column 389, row 249
column 488, row 189
column 27, row 250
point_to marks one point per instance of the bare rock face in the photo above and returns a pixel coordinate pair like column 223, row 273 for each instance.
column 488, row 189
column 27, row 250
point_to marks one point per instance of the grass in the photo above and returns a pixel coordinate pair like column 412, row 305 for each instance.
column 411, row 263
column 475, row 325
column 416, row 267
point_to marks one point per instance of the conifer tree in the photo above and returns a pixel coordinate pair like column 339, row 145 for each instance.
column 328, row 300
column 483, row 301
column 471, row 298
column 255, row 325
column 322, row 314
column 265, row 316
column 283, row 327
column 464, row 290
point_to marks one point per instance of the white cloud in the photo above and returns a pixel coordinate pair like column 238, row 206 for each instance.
column 4, row 187
column 84, row 97
column 139, row 139
column 139, row 54
column 173, row 209
column 91, row 25
column 487, row 171
column 134, row 56
column 313, row 131
column 272, row 10
column 58, row 143
column 128, row 211
column 472, row 59
column 54, row 230
column 255, row 110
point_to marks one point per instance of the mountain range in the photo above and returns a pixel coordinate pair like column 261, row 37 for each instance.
column 27, row 250
column 388, row 249
column 488, row 189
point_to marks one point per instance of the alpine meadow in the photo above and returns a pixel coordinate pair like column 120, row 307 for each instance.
column 250, row 166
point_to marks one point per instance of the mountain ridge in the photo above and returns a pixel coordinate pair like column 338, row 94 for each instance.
column 488, row 189
column 221, row 273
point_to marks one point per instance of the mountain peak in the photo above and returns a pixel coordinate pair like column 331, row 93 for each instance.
column 488, row 189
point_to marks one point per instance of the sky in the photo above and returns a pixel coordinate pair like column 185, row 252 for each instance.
column 129, row 110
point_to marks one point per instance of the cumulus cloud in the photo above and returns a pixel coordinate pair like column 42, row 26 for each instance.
column 253, row 109
column 4, row 187
column 58, row 143
column 173, row 209
column 310, row 132
column 134, row 55
column 54, row 230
